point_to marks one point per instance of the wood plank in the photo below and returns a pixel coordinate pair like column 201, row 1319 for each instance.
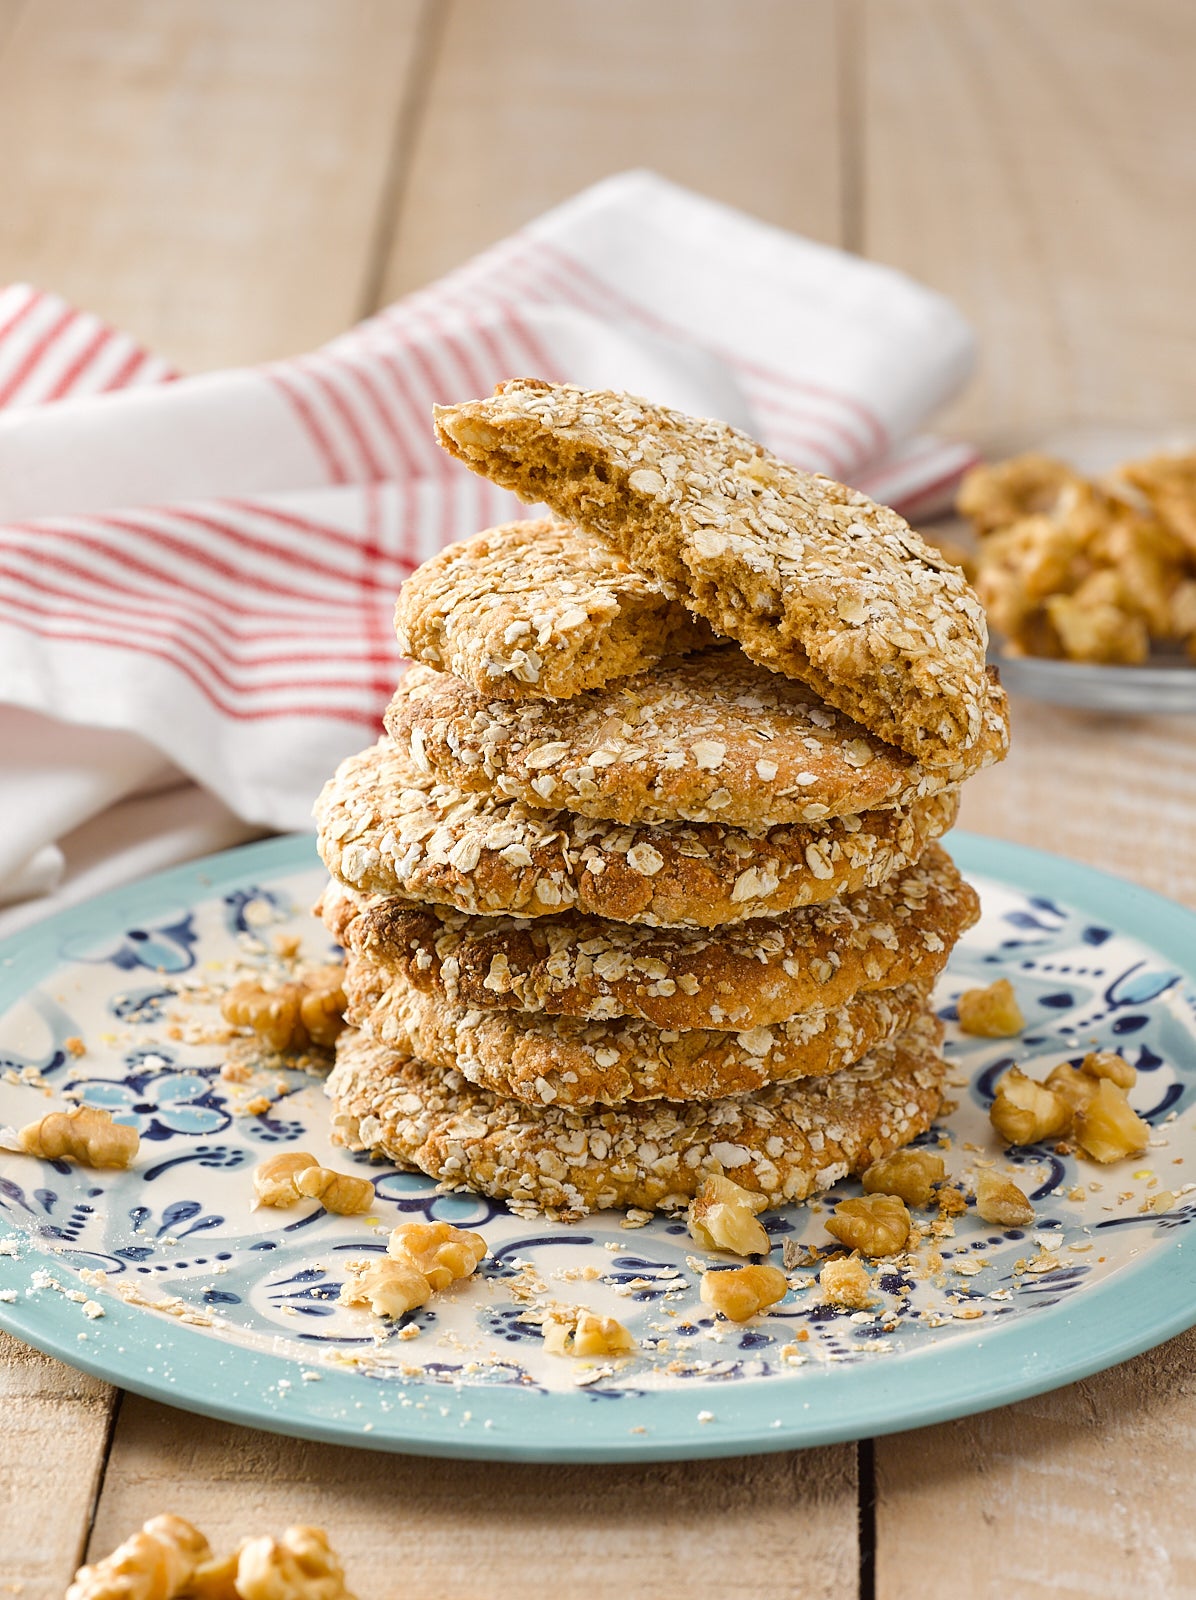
column 491, row 1531
column 55, row 1425
column 205, row 174
column 1116, row 792
column 1082, row 1493
column 534, row 99
column 1038, row 164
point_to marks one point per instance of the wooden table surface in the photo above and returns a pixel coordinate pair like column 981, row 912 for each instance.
column 237, row 181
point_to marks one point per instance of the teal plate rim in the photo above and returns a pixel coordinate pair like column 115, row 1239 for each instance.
column 1138, row 1308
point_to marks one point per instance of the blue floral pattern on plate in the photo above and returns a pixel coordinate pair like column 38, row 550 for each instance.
column 189, row 1261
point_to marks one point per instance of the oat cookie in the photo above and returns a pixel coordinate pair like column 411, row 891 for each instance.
column 783, row 1143
column 539, row 608
column 744, row 975
column 711, row 738
column 386, row 828
column 545, row 1060
column 813, row 579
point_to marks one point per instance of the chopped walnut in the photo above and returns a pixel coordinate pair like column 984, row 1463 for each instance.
column 995, row 494
column 1001, row 1202
column 438, row 1250
column 307, row 1012
column 299, row 1566
column 1076, row 1087
column 574, row 1331
column 991, row 1013
column 390, row 1288
column 722, row 1216
column 171, row 1560
column 742, row 1292
column 1108, row 1064
column 909, row 1174
column 1087, row 570
column 846, row 1283
column 85, row 1134
column 158, row 1563
column 950, row 1202
column 291, row 1175
column 873, row 1224
column 1024, row 1112
column 1108, row 1127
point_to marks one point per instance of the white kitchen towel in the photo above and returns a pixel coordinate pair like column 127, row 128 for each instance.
column 199, row 573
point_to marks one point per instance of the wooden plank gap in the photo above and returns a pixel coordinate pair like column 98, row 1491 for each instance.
column 426, row 54
column 866, row 1503
column 85, row 1552
column 850, row 45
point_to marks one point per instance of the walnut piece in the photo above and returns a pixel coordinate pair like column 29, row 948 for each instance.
column 284, row 1179
column 742, row 1292
column 873, row 1224
column 171, row 1560
column 908, row 1174
column 308, row 1012
column 422, row 1258
column 1072, row 1085
column 1024, row 1112
column 574, row 1331
column 846, row 1283
column 438, row 1250
column 1108, row 1064
column 157, row 1563
column 390, row 1288
column 1089, row 1103
column 1108, row 1128
column 299, row 1566
column 722, row 1216
column 1001, row 1202
column 86, row 1134
column 991, row 1013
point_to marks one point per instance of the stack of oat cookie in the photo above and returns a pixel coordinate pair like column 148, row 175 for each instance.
column 641, row 883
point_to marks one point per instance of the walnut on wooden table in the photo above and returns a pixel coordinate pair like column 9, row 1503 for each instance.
column 156, row 1563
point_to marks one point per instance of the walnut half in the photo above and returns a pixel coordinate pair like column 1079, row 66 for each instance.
column 308, row 1012
column 722, row 1216
column 86, row 1134
column 873, row 1224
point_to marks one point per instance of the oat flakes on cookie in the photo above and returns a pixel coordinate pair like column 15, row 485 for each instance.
column 387, row 828
column 539, row 608
column 710, row 738
column 783, row 1143
column 567, row 1061
column 743, row 975
column 813, row 579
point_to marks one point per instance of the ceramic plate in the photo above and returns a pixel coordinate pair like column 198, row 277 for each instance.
column 232, row 1312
